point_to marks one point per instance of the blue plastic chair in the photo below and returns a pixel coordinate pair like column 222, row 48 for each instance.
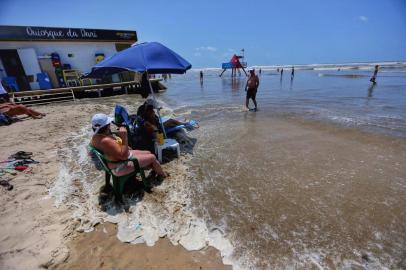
column 43, row 81
column 11, row 82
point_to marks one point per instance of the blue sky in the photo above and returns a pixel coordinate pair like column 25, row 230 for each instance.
column 208, row 32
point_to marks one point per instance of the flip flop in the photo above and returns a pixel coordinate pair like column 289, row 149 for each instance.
column 6, row 184
column 8, row 170
column 7, row 161
column 21, row 155
column 20, row 168
column 29, row 161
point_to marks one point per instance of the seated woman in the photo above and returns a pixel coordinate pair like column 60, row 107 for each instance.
column 149, row 105
column 115, row 148
column 148, row 127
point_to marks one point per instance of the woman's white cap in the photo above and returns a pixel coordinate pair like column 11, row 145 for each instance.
column 100, row 120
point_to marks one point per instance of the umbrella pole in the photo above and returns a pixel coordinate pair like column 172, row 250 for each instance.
column 153, row 96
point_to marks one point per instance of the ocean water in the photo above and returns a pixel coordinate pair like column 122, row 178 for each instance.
column 292, row 186
column 288, row 198
column 344, row 96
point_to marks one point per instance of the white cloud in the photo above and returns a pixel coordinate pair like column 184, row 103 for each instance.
column 198, row 54
column 206, row 48
column 363, row 18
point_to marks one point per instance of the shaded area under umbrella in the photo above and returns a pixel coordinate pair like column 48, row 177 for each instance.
column 148, row 57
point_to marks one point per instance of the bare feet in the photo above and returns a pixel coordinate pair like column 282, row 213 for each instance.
column 37, row 116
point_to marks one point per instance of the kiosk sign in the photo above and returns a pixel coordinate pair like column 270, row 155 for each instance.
column 34, row 33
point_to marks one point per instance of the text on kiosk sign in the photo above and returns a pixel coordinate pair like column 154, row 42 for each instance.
column 60, row 33
column 32, row 33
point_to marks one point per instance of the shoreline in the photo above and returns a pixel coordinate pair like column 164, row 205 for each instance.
column 37, row 232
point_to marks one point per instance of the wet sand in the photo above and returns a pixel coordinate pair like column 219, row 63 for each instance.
column 302, row 194
column 101, row 249
column 308, row 165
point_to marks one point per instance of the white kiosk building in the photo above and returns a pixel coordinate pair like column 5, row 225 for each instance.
column 26, row 52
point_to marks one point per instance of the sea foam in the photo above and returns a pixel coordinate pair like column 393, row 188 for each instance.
column 164, row 213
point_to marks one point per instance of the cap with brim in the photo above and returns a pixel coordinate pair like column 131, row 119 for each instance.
column 151, row 102
column 100, row 120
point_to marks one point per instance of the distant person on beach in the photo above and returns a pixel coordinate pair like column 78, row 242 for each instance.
column 293, row 72
column 201, row 76
column 281, row 72
column 251, row 88
column 115, row 148
column 373, row 78
column 260, row 71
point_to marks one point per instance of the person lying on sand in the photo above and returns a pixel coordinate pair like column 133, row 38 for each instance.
column 12, row 109
column 116, row 148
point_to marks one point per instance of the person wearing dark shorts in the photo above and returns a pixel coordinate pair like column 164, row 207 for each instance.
column 251, row 87
column 373, row 78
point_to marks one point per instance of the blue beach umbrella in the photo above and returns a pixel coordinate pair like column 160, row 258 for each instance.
column 150, row 57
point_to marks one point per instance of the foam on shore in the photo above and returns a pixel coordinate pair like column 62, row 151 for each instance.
column 164, row 213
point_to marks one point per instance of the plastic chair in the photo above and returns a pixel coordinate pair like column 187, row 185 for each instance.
column 119, row 181
column 168, row 143
column 43, row 81
column 73, row 78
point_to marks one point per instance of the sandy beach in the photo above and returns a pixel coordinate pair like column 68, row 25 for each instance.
column 316, row 174
column 36, row 234
column 281, row 140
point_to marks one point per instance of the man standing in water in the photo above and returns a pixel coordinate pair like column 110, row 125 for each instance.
column 251, row 88
column 293, row 73
column 373, row 78
column 201, row 76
